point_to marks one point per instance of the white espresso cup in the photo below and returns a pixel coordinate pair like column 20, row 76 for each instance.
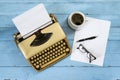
column 76, row 20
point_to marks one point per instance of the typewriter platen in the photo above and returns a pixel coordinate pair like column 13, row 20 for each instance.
column 41, row 51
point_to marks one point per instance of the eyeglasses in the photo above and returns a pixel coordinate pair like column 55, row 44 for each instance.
column 90, row 56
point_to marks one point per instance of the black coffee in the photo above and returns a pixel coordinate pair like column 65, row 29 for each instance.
column 77, row 19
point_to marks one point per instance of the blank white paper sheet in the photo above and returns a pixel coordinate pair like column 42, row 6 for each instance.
column 32, row 20
column 97, row 46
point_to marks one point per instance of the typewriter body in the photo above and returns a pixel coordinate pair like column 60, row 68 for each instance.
column 42, row 52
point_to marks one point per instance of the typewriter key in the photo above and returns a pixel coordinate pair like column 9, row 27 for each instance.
column 31, row 58
column 37, row 58
column 64, row 47
column 56, row 55
column 45, row 50
column 39, row 53
column 48, row 49
column 42, row 52
column 64, row 51
column 56, row 52
column 45, row 54
column 61, row 52
column 45, row 57
column 61, row 41
column 37, row 62
column 67, row 50
column 37, row 66
column 34, row 56
column 61, row 45
column 56, row 48
column 48, row 53
column 53, row 57
column 32, row 61
column 51, row 51
column 42, row 59
column 53, row 46
column 45, row 61
column 48, row 56
column 48, row 59
column 64, row 43
column 61, row 49
column 34, row 64
column 56, row 44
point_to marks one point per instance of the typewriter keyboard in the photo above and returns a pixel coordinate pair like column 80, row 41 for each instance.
column 50, row 55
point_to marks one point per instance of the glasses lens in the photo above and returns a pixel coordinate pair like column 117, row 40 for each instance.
column 82, row 49
column 90, row 56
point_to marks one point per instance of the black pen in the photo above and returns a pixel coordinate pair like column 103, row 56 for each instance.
column 89, row 38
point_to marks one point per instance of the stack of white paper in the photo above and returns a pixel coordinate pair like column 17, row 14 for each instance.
column 32, row 20
column 97, row 46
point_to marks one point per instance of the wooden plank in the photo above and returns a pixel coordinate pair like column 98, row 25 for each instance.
column 49, row 1
column 6, row 33
column 18, row 60
column 66, row 8
column 14, row 73
column 6, row 20
column 10, row 55
column 60, row 73
column 112, row 46
column 9, row 45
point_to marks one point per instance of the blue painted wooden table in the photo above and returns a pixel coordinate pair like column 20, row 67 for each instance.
column 13, row 65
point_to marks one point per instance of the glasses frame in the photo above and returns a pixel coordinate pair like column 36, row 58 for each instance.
column 90, row 56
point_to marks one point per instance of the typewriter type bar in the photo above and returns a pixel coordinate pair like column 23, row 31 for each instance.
column 43, row 51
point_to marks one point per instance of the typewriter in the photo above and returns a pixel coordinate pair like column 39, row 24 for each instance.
column 44, row 47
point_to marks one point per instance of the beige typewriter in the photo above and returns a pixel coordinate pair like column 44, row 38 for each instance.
column 44, row 47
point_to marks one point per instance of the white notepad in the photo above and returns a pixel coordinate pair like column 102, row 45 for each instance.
column 32, row 20
column 97, row 46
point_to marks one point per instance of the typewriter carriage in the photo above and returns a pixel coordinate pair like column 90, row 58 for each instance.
column 18, row 38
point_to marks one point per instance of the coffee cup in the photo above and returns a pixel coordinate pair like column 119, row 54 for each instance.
column 76, row 20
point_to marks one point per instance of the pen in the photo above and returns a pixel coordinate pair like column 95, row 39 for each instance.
column 89, row 38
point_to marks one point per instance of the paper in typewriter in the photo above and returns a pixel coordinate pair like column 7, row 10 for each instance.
column 32, row 20
column 97, row 46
